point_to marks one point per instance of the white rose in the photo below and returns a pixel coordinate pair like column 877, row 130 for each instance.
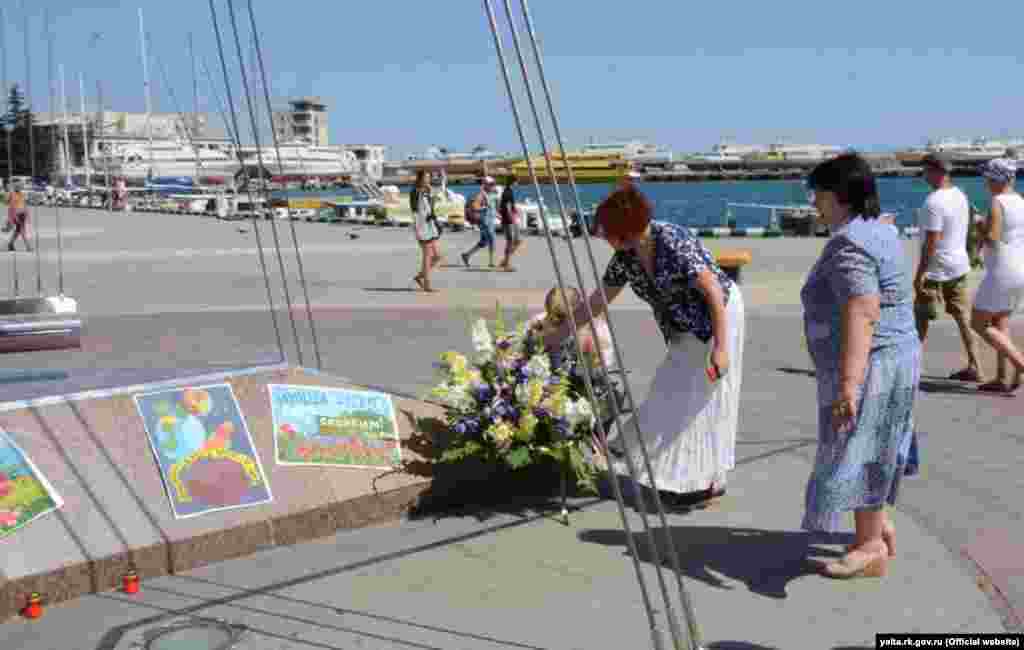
column 579, row 412
column 482, row 341
column 540, row 367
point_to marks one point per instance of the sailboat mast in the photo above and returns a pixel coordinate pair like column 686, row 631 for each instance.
column 145, row 81
column 107, row 155
column 8, row 128
column 85, row 134
column 67, row 144
column 195, row 105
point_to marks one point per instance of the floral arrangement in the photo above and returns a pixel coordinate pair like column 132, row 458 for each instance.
column 512, row 404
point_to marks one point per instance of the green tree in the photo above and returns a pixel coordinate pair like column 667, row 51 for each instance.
column 17, row 122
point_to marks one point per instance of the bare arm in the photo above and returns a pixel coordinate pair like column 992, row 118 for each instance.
column 859, row 315
column 931, row 243
column 597, row 308
column 994, row 230
column 709, row 285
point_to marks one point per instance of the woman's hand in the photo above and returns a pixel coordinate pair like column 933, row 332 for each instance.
column 844, row 409
column 719, row 367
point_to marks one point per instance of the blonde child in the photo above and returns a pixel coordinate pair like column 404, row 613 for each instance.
column 556, row 312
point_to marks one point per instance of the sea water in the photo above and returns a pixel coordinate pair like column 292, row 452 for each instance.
column 700, row 204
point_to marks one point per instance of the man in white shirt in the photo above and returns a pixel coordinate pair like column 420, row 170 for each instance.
column 945, row 262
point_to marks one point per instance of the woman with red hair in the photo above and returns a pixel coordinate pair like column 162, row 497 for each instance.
column 688, row 422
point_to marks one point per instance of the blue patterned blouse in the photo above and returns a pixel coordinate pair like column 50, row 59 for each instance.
column 865, row 257
column 679, row 257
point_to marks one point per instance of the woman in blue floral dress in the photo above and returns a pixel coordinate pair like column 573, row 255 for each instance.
column 859, row 325
column 689, row 420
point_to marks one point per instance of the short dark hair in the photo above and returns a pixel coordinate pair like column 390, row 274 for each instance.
column 850, row 177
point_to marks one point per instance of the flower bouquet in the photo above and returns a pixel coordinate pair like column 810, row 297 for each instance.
column 511, row 405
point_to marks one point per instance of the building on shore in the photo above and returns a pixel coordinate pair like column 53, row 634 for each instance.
column 306, row 119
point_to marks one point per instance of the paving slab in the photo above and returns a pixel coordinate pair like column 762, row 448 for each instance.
column 116, row 515
column 527, row 581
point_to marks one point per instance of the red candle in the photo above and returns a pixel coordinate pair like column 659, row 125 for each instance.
column 131, row 583
column 34, row 608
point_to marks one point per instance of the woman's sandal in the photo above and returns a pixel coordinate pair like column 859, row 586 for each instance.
column 418, row 279
column 888, row 536
column 858, row 563
column 997, row 386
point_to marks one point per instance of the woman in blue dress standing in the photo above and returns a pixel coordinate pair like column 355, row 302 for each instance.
column 859, row 325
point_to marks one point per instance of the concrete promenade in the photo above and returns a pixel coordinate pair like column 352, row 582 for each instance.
column 167, row 294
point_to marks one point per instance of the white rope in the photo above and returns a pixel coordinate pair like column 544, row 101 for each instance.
column 53, row 138
column 263, row 184
column 280, row 164
column 654, row 627
column 693, row 629
column 8, row 133
column 238, row 153
column 32, row 151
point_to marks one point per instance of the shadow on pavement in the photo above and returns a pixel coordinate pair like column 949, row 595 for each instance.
column 765, row 561
column 798, row 371
column 948, row 387
column 472, row 488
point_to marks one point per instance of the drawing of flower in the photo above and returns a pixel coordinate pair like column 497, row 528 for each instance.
column 9, row 518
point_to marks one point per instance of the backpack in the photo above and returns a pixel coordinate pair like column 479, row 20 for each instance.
column 473, row 211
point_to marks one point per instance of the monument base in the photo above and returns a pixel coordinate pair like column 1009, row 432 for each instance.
column 94, row 449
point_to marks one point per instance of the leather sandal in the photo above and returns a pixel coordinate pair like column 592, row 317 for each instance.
column 967, row 375
column 995, row 386
column 858, row 563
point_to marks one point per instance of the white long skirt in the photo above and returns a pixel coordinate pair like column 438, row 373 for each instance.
column 687, row 424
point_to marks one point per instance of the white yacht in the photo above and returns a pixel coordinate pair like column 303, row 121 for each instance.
column 723, row 155
column 974, row 151
column 301, row 158
column 782, row 154
column 635, row 151
column 169, row 157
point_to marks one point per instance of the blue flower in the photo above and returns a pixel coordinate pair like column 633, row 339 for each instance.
column 461, row 428
column 483, row 393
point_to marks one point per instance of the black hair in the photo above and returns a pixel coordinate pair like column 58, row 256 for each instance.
column 850, row 177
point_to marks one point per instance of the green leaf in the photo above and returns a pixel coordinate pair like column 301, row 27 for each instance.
column 518, row 457
column 499, row 320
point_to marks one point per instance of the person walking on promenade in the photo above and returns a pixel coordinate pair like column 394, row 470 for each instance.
column 427, row 231
column 945, row 261
column 510, row 219
column 859, row 326
column 486, row 205
column 688, row 422
column 19, row 219
column 1002, row 290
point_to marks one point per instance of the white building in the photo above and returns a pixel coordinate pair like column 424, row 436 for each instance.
column 305, row 120
column 370, row 158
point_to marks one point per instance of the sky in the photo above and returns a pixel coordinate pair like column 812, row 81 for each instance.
column 411, row 75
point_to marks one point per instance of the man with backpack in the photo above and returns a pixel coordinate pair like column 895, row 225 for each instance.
column 484, row 207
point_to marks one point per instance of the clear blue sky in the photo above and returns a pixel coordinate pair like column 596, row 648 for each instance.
column 413, row 74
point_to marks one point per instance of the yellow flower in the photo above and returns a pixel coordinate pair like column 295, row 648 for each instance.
column 500, row 432
column 527, row 424
column 535, row 392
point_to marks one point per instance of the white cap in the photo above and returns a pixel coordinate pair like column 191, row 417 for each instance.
column 488, row 180
column 635, row 175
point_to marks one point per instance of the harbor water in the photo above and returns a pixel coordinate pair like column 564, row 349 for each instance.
column 704, row 204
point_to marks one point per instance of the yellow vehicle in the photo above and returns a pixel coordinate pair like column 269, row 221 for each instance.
column 586, row 168
column 449, row 206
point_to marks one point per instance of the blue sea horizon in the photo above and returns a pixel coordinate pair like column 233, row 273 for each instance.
column 704, row 204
